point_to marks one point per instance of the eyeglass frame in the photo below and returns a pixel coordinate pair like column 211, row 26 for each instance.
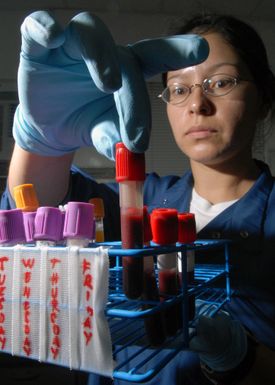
column 237, row 80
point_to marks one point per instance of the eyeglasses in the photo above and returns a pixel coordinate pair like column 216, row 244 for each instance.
column 215, row 85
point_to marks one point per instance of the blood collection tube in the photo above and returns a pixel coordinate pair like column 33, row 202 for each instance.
column 99, row 213
column 79, row 223
column 187, row 234
column 164, row 224
column 130, row 174
column 26, row 199
column 154, row 325
column 11, row 227
column 48, row 226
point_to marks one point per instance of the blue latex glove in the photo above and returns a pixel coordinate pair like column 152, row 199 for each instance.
column 220, row 341
column 77, row 88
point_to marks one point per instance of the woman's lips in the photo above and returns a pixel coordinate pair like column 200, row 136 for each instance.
column 200, row 132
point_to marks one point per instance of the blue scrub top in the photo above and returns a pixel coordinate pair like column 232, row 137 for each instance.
column 250, row 223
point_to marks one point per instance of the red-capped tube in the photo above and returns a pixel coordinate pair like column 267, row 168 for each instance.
column 130, row 174
column 187, row 228
column 164, row 224
column 154, row 324
column 187, row 234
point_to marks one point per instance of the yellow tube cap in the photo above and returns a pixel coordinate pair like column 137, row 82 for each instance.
column 25, row 197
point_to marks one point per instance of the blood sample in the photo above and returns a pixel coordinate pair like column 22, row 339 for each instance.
column 165, row 232
column 98, row 218
column 187, row 234
column 154, row 324
column 130, row 174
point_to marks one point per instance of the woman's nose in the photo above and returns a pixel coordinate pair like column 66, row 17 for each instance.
column 199, row 103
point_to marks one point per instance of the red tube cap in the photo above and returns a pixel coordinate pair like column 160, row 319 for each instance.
column 187, row 228
column 129, row 165
column 164, row 223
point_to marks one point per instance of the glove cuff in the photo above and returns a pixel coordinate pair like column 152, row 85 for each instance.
column 233, row 376
column 232, row 354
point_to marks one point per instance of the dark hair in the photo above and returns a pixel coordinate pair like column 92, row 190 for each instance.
column 247, row 43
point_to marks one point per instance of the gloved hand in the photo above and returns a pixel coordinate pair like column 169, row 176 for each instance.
column 220, row 341
column 77, row 88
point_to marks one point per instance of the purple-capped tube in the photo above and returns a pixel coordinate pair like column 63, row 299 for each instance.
column 12, row 230
column 79, row 224
column 48, row 226
column 28, row 220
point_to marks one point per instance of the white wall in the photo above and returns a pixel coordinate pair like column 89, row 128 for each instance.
column 125, row 28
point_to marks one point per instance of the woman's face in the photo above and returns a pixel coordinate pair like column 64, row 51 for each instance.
column 214, row 129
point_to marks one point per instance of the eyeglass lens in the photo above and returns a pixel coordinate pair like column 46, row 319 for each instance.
column 216, row 85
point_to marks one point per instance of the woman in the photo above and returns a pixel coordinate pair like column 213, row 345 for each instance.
column 213, row 108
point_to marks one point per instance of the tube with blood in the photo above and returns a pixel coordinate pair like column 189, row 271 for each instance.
column 165, row 232
column 187, row 234
column 130, row 174
column 154, row 324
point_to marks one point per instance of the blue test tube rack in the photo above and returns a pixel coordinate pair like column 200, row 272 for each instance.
column 137, row 360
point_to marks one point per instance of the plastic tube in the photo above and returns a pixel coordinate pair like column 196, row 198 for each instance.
column 187, row 234
column 26, row 199
column 78, row 224
column 99, row 214
column 154, row 325
column 130, row 174
column 48, row 226
column 164, row 224
column 11, row 227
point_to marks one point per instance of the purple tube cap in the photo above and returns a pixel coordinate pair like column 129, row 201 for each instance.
column 79, row 220
column 28, row 219
column 48, row 224
column 11, row 227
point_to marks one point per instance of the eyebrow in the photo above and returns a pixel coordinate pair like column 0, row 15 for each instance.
column 213, row 68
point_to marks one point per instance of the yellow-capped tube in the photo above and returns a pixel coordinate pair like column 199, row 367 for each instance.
column 99, row 213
